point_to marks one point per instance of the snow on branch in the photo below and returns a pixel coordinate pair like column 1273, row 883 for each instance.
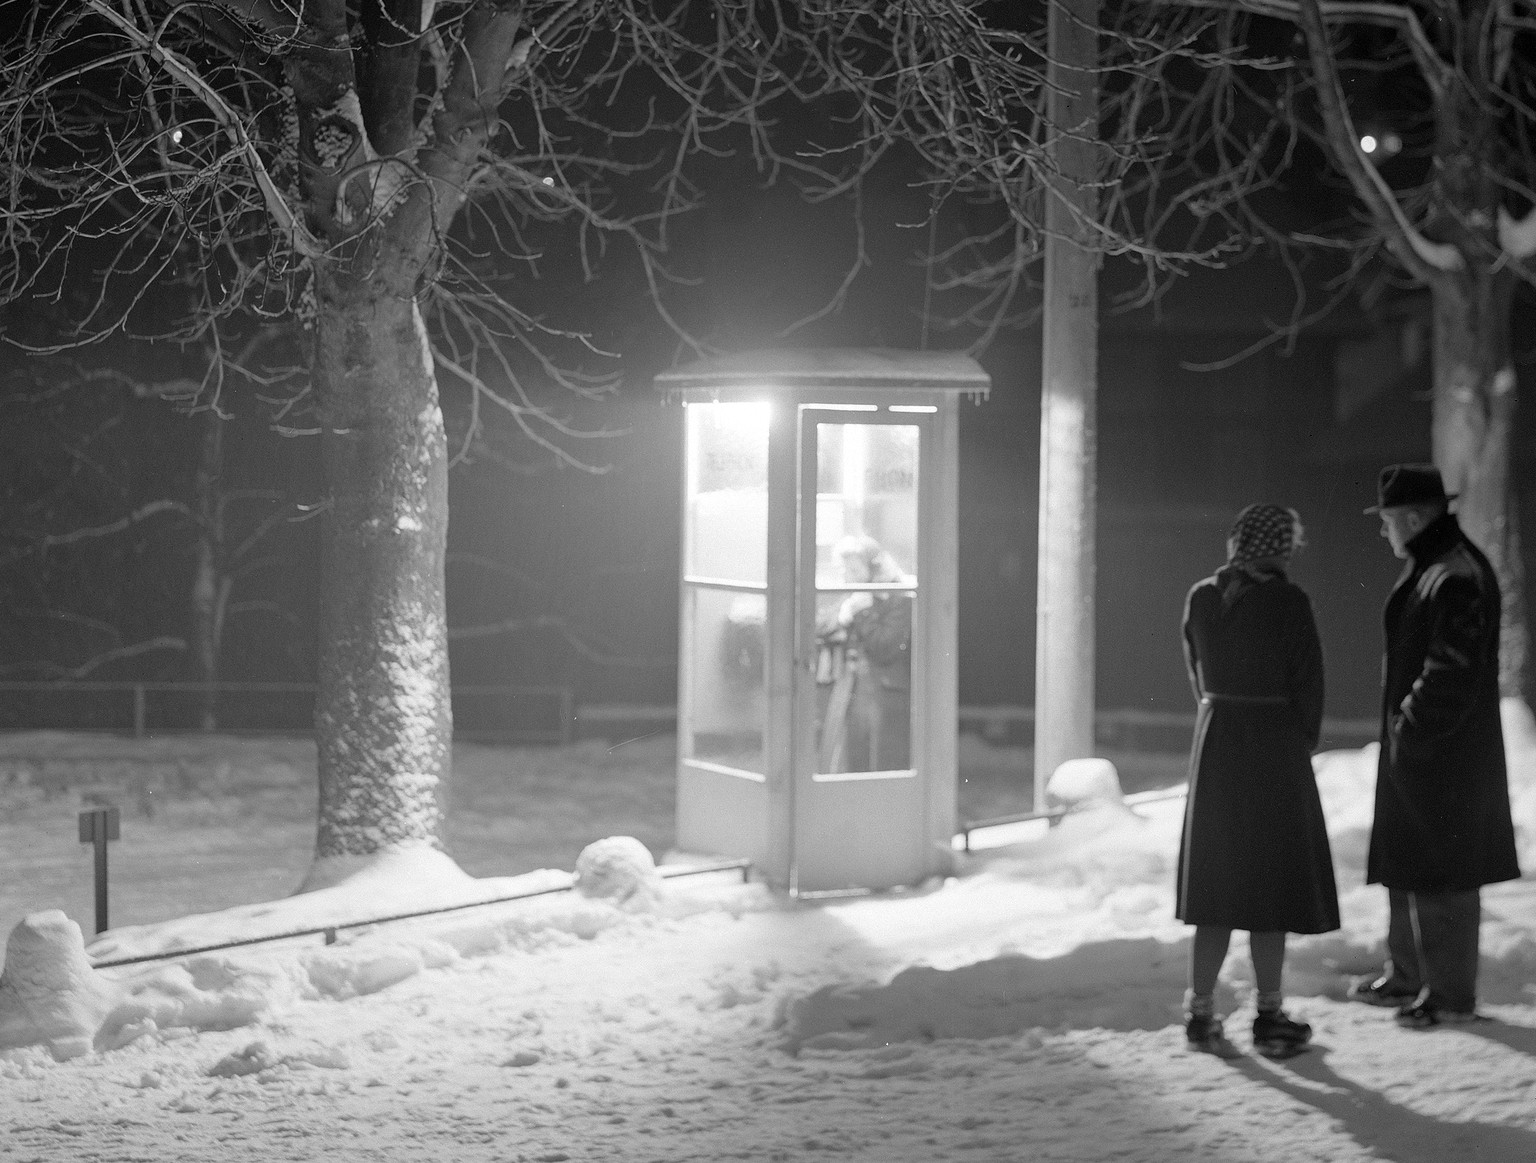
column 1517, row 236
column 141, row 514
column 183, row 71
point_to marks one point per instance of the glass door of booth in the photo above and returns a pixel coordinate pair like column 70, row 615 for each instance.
column 722, row 702
column 859, row 803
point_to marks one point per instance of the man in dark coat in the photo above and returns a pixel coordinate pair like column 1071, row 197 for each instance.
column 1442, row 827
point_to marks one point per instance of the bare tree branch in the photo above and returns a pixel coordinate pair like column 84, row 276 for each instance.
column 291, row 228
column 1424, row 258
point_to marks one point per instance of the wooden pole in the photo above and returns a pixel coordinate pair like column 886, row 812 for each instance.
column 1064, row 617
column 97, row 827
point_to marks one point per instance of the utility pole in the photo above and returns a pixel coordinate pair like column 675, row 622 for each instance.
column 1064, row 615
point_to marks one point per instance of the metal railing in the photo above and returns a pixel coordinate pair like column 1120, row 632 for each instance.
column 1056, row 815
column 328, row 932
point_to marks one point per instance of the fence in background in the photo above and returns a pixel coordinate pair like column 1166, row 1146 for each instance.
column 521, row 714
column 1134, row 729
column 1115, row 729
column 508, row 713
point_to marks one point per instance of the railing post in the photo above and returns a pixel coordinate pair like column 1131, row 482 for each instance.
column 138, row 710
column 97, row 827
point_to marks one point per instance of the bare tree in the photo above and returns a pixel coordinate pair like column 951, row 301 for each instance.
column 1421, row 115
column 74, row 513
column 397, row 174
column 127, row 542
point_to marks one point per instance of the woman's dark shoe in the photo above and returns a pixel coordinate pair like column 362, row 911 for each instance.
column 1276, row 1035
column 1207, row 1036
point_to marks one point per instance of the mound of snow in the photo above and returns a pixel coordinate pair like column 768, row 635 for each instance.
column 622, row 870
column 1078, row 783
column 49, row 994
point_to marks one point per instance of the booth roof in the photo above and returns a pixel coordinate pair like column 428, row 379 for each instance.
column 813, row 370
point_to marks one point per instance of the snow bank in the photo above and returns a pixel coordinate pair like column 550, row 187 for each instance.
column 1114, row 985
column 1520, row 752
column 51, row 995
column 1070, row 926
column 1101, row 849
column 230, row 989
column 391, row 883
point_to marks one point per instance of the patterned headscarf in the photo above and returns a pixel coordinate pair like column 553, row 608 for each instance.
column 1263, row 531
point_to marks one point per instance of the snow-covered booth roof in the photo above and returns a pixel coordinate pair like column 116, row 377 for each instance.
column 828, row 375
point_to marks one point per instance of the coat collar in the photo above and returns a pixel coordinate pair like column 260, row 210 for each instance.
column 1440, row 535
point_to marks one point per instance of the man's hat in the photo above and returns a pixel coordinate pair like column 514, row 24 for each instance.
column 1409, row 484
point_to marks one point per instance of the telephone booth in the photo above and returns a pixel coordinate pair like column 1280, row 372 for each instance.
column 816, row 669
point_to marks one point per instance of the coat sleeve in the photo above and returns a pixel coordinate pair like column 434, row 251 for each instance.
column 1191, row 659
column 1305, row 672
column 1445, row 691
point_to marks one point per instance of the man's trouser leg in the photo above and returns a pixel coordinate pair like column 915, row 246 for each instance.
column 1441, row 939
column 1403, row 969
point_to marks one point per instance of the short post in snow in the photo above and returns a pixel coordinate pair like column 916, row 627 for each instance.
column 98, row 826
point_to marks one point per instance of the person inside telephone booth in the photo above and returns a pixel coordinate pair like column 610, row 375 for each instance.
column 865, row 666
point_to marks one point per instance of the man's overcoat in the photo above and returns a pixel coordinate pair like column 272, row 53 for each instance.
column 1254, row 853
column 1442, row 794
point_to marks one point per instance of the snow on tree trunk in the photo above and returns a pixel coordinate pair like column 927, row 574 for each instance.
column 1473, row 437
column 383, row 723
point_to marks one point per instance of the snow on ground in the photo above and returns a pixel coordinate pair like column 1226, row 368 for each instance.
column 1025, row 1009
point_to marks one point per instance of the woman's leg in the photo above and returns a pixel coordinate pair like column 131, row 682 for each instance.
column 1275, row 1034
column 1205, row 959
column 1268, row 952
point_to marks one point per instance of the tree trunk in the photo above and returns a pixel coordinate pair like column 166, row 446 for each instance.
column 1473, row 436
column 207, row 607
column 383, row 722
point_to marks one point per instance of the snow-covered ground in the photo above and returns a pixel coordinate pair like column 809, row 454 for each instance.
column 1024, row 1009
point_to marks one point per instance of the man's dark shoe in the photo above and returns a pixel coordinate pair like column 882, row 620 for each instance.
column 1420, row 1017
column 1381, row 991
column 1207, row 1036
column 1276, row 1035
column 1427, row 1017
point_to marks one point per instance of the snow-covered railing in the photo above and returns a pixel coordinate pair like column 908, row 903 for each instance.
column 1140, row 797
column 329, row 931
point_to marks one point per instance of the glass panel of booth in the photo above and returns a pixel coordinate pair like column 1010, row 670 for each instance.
column 725, row 545
column 866, row 541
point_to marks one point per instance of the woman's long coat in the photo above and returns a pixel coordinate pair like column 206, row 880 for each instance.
column 1254, row 853
column 1442, row 794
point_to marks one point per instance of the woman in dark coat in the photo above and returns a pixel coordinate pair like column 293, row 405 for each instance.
column 1254, row 853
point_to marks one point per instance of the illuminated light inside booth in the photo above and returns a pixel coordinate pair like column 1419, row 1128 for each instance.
column 725, row 542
